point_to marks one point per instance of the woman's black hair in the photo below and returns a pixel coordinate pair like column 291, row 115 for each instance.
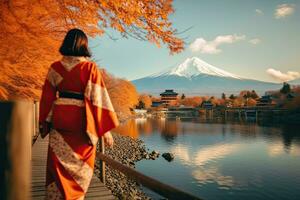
column 75, row 44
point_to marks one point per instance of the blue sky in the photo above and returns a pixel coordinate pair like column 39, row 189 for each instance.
column 256, row 36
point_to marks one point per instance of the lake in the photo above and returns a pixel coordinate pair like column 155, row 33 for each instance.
column 215, row 160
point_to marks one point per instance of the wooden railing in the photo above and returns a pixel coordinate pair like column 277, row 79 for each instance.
column 102, row 163
column 160, row 188
column 15, row 149
column 35, row 121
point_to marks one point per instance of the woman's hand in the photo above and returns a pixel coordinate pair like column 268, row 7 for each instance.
column 108, row 139
column 44, row 128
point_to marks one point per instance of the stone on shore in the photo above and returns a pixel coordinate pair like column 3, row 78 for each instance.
column 126, row 151
column 168, row 156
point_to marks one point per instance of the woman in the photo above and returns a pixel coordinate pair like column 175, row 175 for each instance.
column 76, row 105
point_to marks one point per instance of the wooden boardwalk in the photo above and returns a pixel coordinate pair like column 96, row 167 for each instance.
column 39, row 156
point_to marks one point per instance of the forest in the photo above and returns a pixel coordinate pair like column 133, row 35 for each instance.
column 32, row 31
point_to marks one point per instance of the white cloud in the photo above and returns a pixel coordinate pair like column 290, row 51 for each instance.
column 259, row 12
column 255, row 41
column 284, row 10
column 211, row 47
column 278, row 75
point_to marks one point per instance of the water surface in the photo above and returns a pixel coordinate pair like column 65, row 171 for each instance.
column 222, row 160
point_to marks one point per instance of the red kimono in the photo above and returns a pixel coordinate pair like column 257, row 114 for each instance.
column 77, row 125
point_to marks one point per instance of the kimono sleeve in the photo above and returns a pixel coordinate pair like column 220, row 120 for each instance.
column 98, row 104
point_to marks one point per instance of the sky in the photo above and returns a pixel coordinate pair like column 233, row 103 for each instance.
column 258, row 39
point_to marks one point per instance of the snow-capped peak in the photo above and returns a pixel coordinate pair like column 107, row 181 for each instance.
column 194, row 67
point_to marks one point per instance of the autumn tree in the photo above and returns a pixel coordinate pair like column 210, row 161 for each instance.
column 174, row 103
column 146, row 100
column 254, row 95
column 123, row 94
column 249, row 97
column 191, row 101
column 223, row 96
column 245, row 94
column 140, row 105
column 155, row 99
column 238, row 102
column 222, row 102
column 182, row 96
column 251, row 102
column 31, row 32
column 286, row 88
column 232, row 97
column 215, row 101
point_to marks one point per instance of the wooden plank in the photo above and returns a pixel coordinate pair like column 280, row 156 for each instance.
column 97, row 189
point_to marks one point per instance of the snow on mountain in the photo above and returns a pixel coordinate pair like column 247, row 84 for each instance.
column 194, row 66
column 196, row 77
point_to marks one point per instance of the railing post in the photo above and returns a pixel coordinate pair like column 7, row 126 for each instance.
column 15, row 145
column 37, row 110
column 102, row 163
column 33, row 120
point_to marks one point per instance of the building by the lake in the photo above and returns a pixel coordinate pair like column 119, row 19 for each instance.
column 156, row 103
column 207, row 105
column 266, row 101
column 168, row 96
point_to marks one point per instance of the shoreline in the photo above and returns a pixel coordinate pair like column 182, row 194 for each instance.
column 127, row 151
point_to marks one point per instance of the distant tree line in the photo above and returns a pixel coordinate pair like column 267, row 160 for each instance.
column 244, row 98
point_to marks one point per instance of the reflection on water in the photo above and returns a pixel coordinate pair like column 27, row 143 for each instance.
column 222, row 160
column 204, row 155
column 212, row 174
column 203, row 172
column 277, row 149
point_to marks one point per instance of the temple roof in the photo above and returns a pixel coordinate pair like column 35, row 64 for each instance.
column 168, row 92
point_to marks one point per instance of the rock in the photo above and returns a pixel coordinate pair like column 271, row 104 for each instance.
column 127, row 151
column 154, row 154
column 168, row 156
column 131, row 163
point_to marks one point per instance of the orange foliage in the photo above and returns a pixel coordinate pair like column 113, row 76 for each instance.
column 173, row 103
column 146, row 99
column 191, row 101
column 215, row 101
column 31, row 32
column 222, row 102
column 243, row 93
column 251, row 102
column 122, row 93
column 238, row 102
column 155, row 99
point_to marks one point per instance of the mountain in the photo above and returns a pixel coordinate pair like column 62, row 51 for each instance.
column 196, row 77
column 193, row 67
